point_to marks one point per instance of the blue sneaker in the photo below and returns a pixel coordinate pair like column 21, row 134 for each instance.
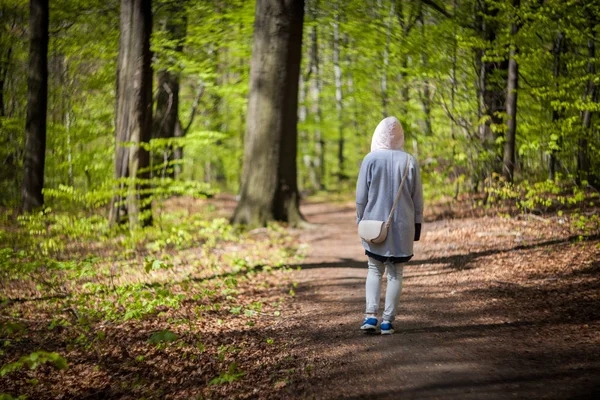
column 387, row 328
column 369, row 325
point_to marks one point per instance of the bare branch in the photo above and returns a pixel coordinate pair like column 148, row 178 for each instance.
column 194, row 108
column 437, row 8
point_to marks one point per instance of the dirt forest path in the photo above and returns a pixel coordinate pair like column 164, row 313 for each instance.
column 468, row 326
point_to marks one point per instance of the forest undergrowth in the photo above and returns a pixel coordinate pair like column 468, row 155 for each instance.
column 89, row 312
column 196, row 308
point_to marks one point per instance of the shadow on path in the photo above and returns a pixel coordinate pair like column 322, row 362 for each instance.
column 457, row 261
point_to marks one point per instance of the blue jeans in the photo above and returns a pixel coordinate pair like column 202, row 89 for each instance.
column 392, row 293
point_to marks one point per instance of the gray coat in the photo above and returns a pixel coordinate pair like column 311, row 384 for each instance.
column 378, row 181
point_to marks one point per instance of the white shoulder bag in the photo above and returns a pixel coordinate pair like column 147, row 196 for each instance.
column 374, row 231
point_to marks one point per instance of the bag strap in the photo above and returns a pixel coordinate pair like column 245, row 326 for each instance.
column 389, row 220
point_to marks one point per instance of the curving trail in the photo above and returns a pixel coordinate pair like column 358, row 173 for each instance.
column 483, row 314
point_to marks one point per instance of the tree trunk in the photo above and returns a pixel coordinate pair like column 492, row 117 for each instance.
column 178, row 150
column 511, row 104
column 133, row 115
column 425, row 95
column 165, row 120
column 66, row 110
column 492, row 86
column 37, row 102
column 386, row 56
column 453, row 100
column 69, row 143
column 4, row 63
column 15, row 153
column 352, row 109
column 318, row 164
column 166, row 115
column 269, row 187
column 337, row 70
column 480, row 173
column 557, row 50
column 180, row 131
column 406, row 24
column 584, row 172
column 350, row 86
column 305, row 180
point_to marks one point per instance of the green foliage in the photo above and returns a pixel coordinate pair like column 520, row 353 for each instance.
column 11, row 150
column 94, row 283
column 540, row 195
column 547, row 196
column 231, row 375
column 57, row 254
column 9, row 328
column 152, row 264
column 165, row 336
column 34, row 360
column 135, row 302
column 426, row 52
column 6, row 396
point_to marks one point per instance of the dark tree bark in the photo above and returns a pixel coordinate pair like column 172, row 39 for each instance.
column 492, row 85
column 4, row 63
column 37, row 102
column 269, row 187
column 133, row 114
column 181, row 131
column 5, row 55
column 407, row 22
column 508, row 168
column 558, row 50
column 166, row 115
column 584, row 170
column 7, row 173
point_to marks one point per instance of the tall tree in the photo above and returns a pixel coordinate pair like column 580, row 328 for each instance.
column 37, row 103
column 584, row 171
column 166, row 123
column 386, row 57
column 133, row 114
column 337, row 70
column 557, row 51
column 269, row 187
column 317, row 163
column 407, row 22
column 508, row 168
column 492, row 81
column 425, row 95
column 4, row 63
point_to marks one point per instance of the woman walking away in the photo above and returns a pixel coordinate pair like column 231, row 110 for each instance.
column 388, row 189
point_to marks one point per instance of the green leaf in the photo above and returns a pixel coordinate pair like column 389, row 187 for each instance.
column 232, row 374
column 165, row 336
column 34, row 360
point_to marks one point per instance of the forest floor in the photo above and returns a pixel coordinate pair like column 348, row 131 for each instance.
column 492, row 308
